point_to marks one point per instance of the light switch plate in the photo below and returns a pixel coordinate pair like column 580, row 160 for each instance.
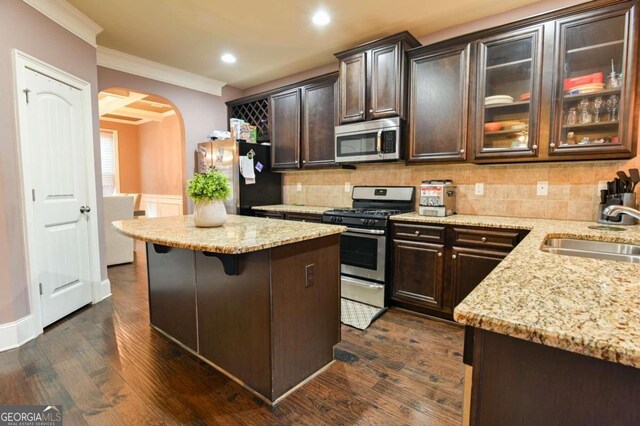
column 542, row 187
column 347, row 187
column 310, row 275
column 298, row 187
column 479, row 188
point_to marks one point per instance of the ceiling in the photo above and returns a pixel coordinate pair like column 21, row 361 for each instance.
column 271, row 39
column 128, row 107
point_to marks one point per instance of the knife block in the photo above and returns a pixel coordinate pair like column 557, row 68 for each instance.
column 627, row 200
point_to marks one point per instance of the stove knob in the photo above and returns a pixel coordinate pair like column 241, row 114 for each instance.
column 371, row 222
column 333, row 219
column 339, row 219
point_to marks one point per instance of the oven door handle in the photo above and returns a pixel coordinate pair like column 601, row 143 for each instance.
column 366, row 231
column 379, row 142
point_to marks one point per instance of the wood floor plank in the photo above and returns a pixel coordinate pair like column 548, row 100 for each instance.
column 106, row 365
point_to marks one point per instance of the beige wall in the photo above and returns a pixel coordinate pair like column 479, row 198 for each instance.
column 23, row 28
column 201, row 113
column 128, row 155
column 160, row 157
column 509, row 190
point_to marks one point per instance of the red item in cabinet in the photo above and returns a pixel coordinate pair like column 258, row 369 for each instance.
column 570, row 83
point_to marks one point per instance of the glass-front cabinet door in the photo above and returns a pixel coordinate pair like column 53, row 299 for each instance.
column 508, row 75
column 594, row 83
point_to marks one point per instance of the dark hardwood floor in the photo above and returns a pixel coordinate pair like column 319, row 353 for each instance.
column 105, row 365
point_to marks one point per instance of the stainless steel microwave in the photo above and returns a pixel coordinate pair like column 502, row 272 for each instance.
column 377, row 140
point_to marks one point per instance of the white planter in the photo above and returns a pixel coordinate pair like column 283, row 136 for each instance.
column 208, row 214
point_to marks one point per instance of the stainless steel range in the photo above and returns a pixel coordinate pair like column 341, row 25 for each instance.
column 364, row 248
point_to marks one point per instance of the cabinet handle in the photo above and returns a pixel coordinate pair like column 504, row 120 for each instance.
column 439, row 254
column 454, row 256
column 371, row 111
column 483, row 239
column 552, row 145
column 534, row 147
column 417, row 233
column 462, row 151
column 361, row 112
column 304, row 161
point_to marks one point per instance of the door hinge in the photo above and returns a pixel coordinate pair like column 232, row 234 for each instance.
column 26, row 94
column 33, row 195
column 40, row 285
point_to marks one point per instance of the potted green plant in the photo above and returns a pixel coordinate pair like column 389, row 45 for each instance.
column 209, row 191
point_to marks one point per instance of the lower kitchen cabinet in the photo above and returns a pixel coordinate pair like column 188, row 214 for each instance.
column 418, row 273
column 300, row 217
column 469, row 267
column 269, row 214
column 432, row 278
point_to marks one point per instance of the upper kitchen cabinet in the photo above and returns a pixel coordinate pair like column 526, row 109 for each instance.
column 373, row 79
column 284, row 127
column 319, row 118
column 595, row 87
column 438, row 105
column 507, row 87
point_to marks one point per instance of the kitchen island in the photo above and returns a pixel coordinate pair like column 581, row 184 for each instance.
column 259, row 299
column 551, row 339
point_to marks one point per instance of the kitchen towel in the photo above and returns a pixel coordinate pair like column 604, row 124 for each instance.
column 246, row 170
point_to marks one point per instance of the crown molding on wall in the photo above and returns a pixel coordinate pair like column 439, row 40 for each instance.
column 124, row 62
column 67, row 16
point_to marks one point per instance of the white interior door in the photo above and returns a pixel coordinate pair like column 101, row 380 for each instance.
column 56, row 150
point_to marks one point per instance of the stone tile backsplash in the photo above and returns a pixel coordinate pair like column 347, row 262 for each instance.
column 509, row 190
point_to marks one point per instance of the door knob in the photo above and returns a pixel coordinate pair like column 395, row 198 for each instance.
column 85, row 209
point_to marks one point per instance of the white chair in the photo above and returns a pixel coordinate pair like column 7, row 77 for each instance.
column 119, row 248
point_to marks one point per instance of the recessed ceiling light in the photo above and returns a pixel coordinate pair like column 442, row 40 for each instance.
column 228, row 58
column 321, row 18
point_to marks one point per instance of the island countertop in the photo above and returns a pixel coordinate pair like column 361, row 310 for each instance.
column 582, row 305
column 240, row 234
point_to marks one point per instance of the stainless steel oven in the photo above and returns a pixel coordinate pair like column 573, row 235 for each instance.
column 377, row 140
column 363, row 253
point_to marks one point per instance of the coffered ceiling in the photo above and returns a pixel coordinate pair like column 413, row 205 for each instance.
column 129, row 107
column 271, row 39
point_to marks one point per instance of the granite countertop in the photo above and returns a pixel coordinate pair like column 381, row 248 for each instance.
column 582, row 305
column 240, row 234
column 294, row 208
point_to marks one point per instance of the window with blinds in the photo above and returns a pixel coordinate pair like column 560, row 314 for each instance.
column 108, row 152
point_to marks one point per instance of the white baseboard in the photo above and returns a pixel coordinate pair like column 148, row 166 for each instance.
column 14, row 334
column 105, row 289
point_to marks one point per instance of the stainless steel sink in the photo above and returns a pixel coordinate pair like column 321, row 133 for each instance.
column 594, row 249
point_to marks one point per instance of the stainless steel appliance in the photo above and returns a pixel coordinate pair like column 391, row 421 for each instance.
column 377, row 140
column 364, row 248
column 224, row 155
column 437, row 198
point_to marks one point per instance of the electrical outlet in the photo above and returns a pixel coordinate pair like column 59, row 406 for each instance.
column 602, row 185
column 310, row 275
column 479, row 188
column 298, row 187
column 347, row 187
column 542, row 187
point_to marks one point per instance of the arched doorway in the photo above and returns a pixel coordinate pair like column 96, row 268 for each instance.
column 143, row 148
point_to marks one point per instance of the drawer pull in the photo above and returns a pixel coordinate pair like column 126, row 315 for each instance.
column 483, row 239
column 417, row 233
column 439, row 254
column 454, row 256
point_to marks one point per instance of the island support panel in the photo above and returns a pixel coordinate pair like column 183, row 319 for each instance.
column 270, row 327
column 517, row 382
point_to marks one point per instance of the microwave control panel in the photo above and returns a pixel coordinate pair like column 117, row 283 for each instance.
column 389, row 141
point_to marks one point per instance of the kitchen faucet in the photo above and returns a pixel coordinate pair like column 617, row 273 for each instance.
column 618, row 210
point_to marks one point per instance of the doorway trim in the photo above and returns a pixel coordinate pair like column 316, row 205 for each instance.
column 99, row 289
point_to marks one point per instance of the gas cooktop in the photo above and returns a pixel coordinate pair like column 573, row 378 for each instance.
column 383, row 213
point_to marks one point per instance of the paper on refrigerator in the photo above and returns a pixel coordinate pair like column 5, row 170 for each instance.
column 246, row 170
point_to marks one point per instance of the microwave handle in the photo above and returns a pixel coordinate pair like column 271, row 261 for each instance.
column 379, row 142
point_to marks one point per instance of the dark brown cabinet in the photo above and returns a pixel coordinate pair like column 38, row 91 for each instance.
column 302, row 120
column 418, row 273
column 304, row 217
column 284, row 126
column 319, row 118
column 598, row 48
column 353, row 86
column 373, row 79
column 438, row 105
column 469, row 266
column 435, row 267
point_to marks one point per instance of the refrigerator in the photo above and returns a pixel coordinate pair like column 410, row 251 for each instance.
column 224, row 155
